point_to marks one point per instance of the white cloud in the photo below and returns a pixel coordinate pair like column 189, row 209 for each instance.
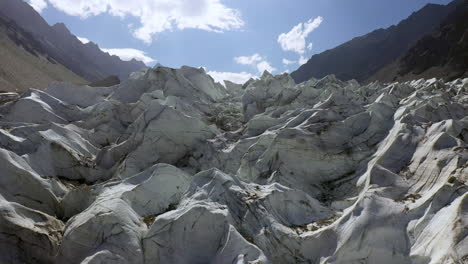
column 83, row 40
column 295, row 40
column 288, row 62
column 129, row 54
column 259, row 62
column 248, row 60
column 302, row 60
column 309, row 47
column 265, row 66
column 157, row 16
column 235, row 77
column 38, row 5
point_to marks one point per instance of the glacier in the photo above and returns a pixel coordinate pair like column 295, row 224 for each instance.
column 172, row 167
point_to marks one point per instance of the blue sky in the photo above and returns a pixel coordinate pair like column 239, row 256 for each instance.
column 232, row 39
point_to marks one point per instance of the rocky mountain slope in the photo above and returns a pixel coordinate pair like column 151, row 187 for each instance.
column 24, row 62
column 363, row 57
column 85, row 60
column 109, row 81
column 442, row 54
column 170, row 167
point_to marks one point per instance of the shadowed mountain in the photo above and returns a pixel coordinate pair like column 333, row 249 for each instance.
column 362, row 57
column 86, row 60
column 25, row 63
column 442, row 54
column 106, row 82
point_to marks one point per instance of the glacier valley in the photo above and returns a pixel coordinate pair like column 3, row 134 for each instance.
column 172, row 167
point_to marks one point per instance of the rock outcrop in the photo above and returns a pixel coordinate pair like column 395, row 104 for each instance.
column 171, row 167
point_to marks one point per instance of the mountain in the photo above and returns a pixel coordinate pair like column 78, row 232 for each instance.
column 362, row 57
column 441, row 54
column 106, row 82
column 171, row 167
column 25, row 63
column 86, row 60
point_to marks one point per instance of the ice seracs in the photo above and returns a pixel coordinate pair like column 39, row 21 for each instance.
column 172, row 167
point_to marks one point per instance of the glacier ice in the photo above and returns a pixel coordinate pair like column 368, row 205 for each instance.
column 172, row 167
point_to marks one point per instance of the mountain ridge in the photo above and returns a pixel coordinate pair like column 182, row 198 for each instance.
column 25, row 62
column 363, row 56
column 88, row 61
column 441, row 54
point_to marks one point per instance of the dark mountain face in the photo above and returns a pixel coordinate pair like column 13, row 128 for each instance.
column 86, row 60
column 25, row 62
column 364, row 56
column 442, row 54
column 21, row 37
column 107, row 82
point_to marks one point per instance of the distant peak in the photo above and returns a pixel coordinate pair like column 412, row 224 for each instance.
column 431, row 4
column 92, row 44
column 60, row 27
column 266, row 74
